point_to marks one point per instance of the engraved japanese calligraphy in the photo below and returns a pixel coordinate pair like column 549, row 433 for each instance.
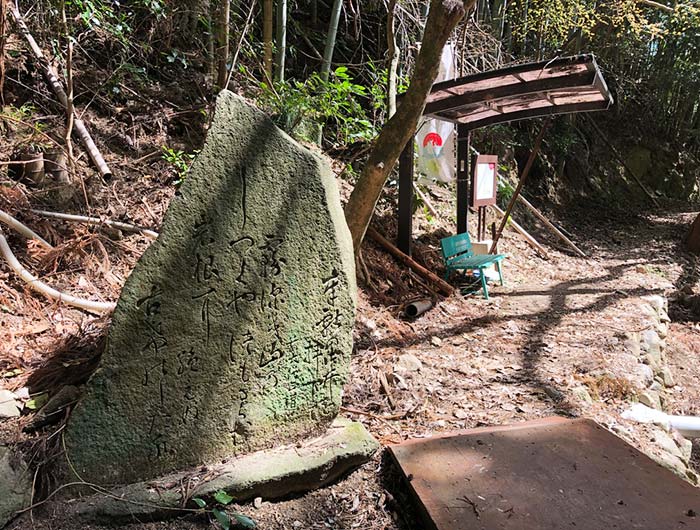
column 233, row 333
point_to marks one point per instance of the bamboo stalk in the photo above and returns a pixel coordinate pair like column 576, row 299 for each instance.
column 97, row 221
column 443, row 287
column 51, row 78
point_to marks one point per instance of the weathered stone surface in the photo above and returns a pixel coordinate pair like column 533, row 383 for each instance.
column 15, row 485
column 667, row 377
column 269, row 474
column 233, row 332
column 650, row 399
column 646, row 374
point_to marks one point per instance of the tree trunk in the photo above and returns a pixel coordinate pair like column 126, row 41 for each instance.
column 267, row 39
column 222, row 42
column 281, row 40
column 442, row 18
column 393, row 55
column 330, row 39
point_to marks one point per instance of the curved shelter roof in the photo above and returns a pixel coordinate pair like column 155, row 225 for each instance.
column 559, row 86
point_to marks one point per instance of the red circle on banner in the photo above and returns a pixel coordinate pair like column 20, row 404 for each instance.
column 432, row 138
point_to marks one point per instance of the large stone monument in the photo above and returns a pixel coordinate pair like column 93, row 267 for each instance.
column 233, row 332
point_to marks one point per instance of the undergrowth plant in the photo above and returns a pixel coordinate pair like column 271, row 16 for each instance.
column 336, row 101
column 225, row 520
column 180, row 161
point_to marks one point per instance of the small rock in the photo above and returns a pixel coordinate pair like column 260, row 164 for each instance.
column 685, row 446
column 650, row 399
column 582, row 394
column 9, row 407
column 661, row 329
column 657, row 387
column 297, row 524
column 436, row 341
column 257, row 502
column 460, row 414
column 632, row 344
column 657, row 302
column 646, row 373
column 651, row 361
column 666, row 443
column 667, row 377
column 15, row 485
column 409, row 363
column 458, row 340
column 672, row 463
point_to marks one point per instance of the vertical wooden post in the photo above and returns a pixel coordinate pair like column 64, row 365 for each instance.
column 463, row 140
column 405, row 232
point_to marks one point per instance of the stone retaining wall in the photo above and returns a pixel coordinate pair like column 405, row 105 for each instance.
column 670, row 449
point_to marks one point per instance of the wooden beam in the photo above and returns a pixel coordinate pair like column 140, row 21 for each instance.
column 512, row 91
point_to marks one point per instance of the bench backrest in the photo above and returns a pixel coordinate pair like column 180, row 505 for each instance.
column 456, row 246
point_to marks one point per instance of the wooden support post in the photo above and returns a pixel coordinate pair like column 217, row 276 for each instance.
column 463, row 140
column 521, row 182
column 405, row 231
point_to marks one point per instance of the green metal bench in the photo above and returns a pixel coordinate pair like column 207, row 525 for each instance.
column 458, row 256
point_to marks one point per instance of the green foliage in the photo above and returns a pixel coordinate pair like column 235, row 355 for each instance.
column 505, row 192
column 225, row 520
column 180, row 161
column 336, row 101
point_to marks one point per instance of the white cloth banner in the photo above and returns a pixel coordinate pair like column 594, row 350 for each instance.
column 436, row 138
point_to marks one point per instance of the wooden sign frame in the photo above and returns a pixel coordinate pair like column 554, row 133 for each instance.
column 474, row 199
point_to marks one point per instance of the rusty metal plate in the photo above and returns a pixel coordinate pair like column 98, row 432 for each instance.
column 545, row 475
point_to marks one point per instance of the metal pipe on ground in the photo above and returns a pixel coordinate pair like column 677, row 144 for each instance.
column 418, row 307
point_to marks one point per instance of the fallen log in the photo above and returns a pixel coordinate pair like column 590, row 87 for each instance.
column 57, row 86
column 443, row 287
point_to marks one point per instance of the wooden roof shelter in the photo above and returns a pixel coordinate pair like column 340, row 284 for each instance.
column 560, row 86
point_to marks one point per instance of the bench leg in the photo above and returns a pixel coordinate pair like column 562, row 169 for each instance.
column 483, row 284
column 500, row 272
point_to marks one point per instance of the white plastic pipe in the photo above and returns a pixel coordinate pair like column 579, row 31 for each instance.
column 22, row 229
column 688, row 426
column 49, row 292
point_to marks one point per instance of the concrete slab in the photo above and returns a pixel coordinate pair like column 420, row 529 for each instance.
column 544, row 474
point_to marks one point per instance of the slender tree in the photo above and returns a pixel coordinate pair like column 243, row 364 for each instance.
column 222, row 42
column 281, row 40
column 442, row 19
column 267, row 38
column 330, row 39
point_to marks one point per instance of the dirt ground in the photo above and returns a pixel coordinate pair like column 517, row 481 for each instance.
column 557, row 325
